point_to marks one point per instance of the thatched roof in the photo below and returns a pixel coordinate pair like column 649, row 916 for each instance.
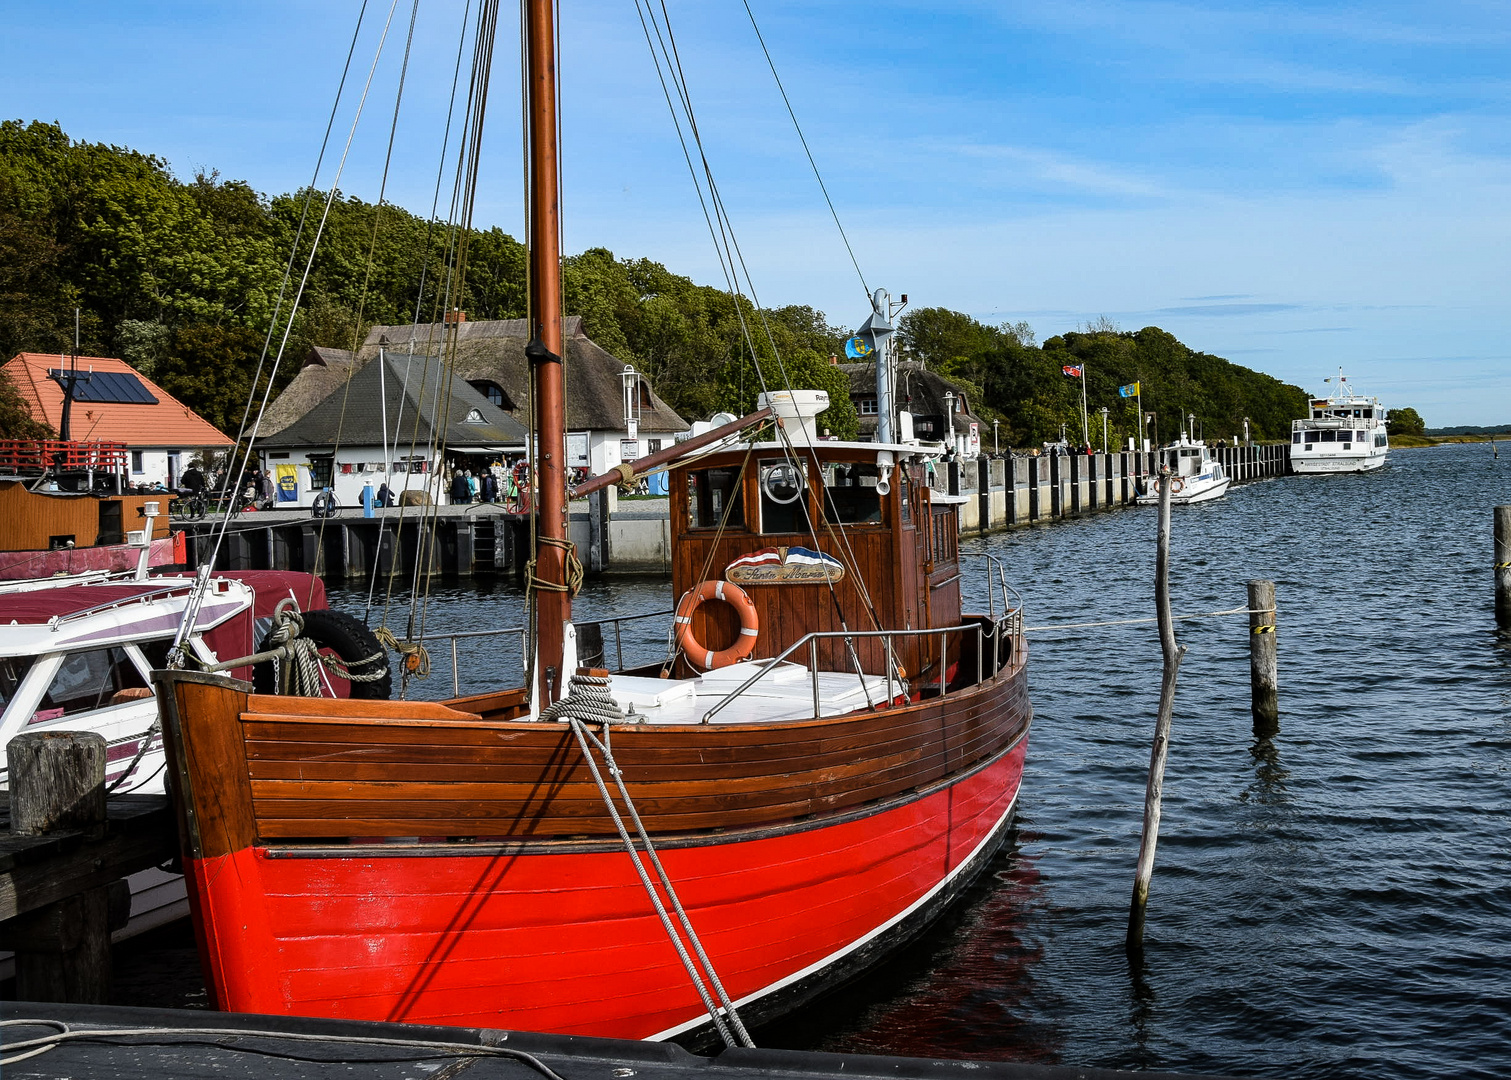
column 324, row 370
column 918, row 390
column 397, row 391
column 494, row 351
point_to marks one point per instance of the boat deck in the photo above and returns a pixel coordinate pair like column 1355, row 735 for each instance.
column 785, row 694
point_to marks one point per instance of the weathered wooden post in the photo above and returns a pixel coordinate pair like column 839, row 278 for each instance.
column 57, row 784
column 1154, row 791
column 1262, row 658
column 1503, row 565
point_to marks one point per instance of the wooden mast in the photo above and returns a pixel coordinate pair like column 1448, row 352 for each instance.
column 553, row 604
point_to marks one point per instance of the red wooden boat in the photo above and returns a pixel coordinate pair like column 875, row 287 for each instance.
column 827, row 757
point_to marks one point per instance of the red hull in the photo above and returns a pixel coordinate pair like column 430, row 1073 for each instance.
column 116, row 558
column 566, row 941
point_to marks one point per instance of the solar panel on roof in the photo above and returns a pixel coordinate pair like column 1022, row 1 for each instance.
column 110, row 387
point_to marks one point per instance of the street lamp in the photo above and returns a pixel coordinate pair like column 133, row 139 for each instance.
column 1104, row 429
column 949, row 414
column 631, row 402
column 996, row 450
column 1246, row 431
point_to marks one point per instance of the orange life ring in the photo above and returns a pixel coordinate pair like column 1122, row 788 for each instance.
column 697, row 653
column 1177, row 486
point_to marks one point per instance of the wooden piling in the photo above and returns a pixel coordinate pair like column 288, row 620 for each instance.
column 57, row 784
column 1263, row 679
column 1503, row 565
column 1154, row 790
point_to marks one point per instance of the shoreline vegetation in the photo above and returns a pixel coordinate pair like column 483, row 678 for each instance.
column 181, row 279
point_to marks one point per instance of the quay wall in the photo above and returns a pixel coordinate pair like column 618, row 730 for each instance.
column 991, row 494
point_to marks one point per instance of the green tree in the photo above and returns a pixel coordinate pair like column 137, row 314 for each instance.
column 1405, row 421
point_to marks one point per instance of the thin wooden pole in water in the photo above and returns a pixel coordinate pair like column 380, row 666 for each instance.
column 1263, row 677
column 1503, row 565
column 1172, row 657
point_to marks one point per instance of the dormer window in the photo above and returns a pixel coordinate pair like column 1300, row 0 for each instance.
column 493, row 392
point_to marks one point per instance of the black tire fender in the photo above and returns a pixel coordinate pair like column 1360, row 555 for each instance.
column 345, row 636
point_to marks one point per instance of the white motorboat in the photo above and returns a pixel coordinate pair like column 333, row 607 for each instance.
column 1197, row 478
column 1344, row 433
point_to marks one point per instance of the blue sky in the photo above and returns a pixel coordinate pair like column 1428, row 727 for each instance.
column 1293, row 186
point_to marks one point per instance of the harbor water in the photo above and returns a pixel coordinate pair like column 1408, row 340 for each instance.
column 1331, row 901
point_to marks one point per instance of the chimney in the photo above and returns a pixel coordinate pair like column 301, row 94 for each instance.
column 456, row 315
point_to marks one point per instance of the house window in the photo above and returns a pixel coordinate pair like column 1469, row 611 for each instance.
column 320, row 472
column 653, row 446
column 868, row 406
column 645, row 394
column 136, row 462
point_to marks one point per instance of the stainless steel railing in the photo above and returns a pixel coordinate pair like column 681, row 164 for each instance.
column 617, row 622
column 1010, row 626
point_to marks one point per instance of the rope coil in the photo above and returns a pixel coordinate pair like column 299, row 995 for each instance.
column 574, row 571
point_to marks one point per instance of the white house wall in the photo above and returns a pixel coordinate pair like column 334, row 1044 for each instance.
column 348, row 486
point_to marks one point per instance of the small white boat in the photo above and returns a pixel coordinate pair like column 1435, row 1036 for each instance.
column 1344, row 433
column 1197, row 477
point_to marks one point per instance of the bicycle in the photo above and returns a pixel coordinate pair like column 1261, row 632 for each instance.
column 191, row 507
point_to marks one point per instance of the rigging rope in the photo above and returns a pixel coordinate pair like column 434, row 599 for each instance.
column 803, row 139
column 589, row 701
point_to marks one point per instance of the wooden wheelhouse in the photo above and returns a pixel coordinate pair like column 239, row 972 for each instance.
column 896, row 552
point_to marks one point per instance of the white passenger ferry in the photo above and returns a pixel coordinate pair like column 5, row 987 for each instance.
column 1345, row 433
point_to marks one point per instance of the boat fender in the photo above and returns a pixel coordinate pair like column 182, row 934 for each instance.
column 697, row 653
column 345, row 636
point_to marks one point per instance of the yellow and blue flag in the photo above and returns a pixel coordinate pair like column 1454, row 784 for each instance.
column 858, row 348
column 1131, row 390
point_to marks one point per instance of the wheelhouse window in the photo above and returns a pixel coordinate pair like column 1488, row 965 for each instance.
column 87, row 681
column 1295, row 436
column 1329, row 436
column 850, row 496
column 710, row 494
column 783, row 484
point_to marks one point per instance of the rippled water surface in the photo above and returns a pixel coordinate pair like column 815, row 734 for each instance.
column 1333, row 901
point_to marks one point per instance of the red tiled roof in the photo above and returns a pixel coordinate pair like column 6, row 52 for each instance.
column 169, row 423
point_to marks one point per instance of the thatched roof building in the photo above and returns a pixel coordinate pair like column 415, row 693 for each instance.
column 490, row 355
column 324, row 370
column 403, row 392
column 918, row 391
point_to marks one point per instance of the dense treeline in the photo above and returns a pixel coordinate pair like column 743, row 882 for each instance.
column 181, row 279
column 1024, row 386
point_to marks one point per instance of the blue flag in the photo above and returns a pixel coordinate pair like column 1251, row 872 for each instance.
column 1131, row 390
column 857, row 348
